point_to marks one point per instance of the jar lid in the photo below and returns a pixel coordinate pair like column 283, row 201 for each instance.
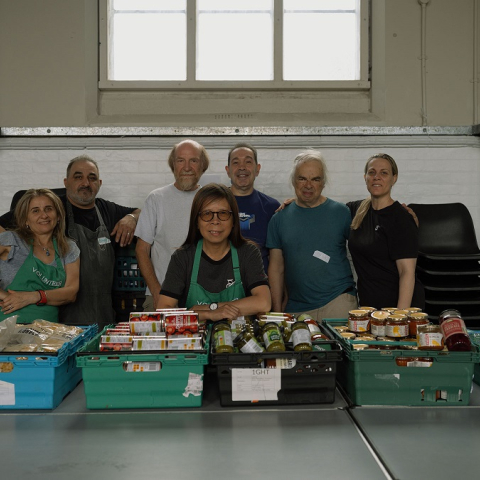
column 358, row 313
column 380, row 315
column 396, row 317
column 401, row 312
column 418, row 316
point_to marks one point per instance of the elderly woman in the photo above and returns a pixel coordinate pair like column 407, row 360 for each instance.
column 39, row 266
column 384, row 242
column 216, row 272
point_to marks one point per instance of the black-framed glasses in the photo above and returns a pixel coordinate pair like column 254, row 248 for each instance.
column 223, row 215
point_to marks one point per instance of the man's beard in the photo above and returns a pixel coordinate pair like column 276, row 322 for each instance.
column 82, row 199
column 187, row 183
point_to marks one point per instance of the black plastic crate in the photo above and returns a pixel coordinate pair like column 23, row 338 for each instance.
column 306, row 377
column 128, row 277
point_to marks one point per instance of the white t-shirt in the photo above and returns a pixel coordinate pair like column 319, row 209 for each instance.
column 163, row 224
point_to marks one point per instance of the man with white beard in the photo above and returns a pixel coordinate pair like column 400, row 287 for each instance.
column 163, row 224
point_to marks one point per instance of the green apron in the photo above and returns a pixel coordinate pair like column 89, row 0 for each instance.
column 36, row 275
column 197, row 295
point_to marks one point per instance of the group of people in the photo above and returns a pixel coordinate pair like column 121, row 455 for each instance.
column 241, row 252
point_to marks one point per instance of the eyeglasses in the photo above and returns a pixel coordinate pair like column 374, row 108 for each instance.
column 207, row 215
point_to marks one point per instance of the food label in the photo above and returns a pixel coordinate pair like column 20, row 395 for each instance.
column 378, row 330
column 358, row 325
column 223, row 337
column 301, row 336
column 433, row 339
column 142, row 366
column 251, row 347
column 397, row 331
column 271, row 336
column 453, row 326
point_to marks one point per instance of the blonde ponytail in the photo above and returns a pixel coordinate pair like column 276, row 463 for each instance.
column 361, row 212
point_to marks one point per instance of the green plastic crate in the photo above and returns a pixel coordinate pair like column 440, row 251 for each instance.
column 372, row 377
column 173, row 379
column 475, row 338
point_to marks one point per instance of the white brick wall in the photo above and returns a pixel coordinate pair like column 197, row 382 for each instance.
column 433, row 169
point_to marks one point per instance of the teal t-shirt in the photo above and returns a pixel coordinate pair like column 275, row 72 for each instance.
column 313, row 242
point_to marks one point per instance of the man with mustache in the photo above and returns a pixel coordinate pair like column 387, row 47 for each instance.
column 163, row 224
column 91, row 222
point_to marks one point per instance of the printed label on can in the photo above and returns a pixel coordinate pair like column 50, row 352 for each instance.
column 433, row 339
column 397, row 331
column 358, row 325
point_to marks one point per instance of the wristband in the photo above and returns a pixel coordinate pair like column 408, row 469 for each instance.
column 133, row 216
column 43, row 298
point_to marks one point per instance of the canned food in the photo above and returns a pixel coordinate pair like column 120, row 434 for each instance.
column 396, row 326
column 358, row 321
column 301, row 337
column 378, row 320
column 272, row 338
column 414, row 320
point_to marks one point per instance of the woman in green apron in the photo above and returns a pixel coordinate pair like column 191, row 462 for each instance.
column 39, row 266
column 216, row 272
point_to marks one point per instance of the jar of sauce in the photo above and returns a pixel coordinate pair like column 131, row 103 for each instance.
column 368, row 309
column 272, row 337
column 247, row 343
column 389, row 309
column 454, row 332
column 301, row 338
column 396, row 326
column 429, row 337
column 358, row 321
column 414, row 320
column 378, row 320
column 222, row 337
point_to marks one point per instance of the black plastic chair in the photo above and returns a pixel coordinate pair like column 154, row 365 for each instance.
column 20, row 193
column 446, row 232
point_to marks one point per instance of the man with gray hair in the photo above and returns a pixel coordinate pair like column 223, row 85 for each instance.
column 307, row 242
column 163, row 224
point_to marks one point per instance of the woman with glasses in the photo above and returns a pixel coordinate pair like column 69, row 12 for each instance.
column 383, row 242
column 216, row 272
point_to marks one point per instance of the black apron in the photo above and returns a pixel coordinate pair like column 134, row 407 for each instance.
column 97, row 263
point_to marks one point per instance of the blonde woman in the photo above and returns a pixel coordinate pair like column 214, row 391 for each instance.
column 383, row 242
column 39, row 266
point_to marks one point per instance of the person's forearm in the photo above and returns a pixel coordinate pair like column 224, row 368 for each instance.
column 405, row 291
column 251, row 305
column 60, row 296
column 146, row 267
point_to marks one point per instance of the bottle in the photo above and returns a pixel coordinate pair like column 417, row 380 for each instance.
column 247, row 343
column 272, row 338
column 301, row 338
column 222, row 337
column 358, row 321
column 454, row 331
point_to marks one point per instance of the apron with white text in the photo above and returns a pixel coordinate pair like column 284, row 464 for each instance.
column 197, row 295
column 35, row 275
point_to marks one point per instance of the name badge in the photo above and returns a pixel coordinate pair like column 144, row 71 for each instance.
column 321, row 256
column 103, row 241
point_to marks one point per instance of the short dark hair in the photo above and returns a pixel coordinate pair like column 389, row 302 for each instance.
column 207, row 194
column 82, row 158
column 243, row 145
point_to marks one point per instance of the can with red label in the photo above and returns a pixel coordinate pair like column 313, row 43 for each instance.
column 181, row 323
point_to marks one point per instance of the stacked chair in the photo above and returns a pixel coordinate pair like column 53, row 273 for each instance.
column 448, row 260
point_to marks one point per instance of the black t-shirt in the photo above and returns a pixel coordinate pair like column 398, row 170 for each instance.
column 383, row 237
column 111, row 214
column 213, row 276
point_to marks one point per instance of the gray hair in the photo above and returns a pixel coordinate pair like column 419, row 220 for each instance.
column 81, row 158
column 309, row 156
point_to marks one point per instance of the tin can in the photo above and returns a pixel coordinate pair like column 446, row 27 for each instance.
column 181, row 323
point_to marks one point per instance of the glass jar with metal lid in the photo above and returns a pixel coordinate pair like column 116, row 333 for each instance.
column 378, row 320
column 358, row 321
column 414, row 320
column 247, row 343
column 301, row 337
column 222, row 337
column 396, row 326
column 272, row 337
column 430, row 337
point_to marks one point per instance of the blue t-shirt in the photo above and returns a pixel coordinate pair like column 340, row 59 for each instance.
column 256, row 210
column 313, row 243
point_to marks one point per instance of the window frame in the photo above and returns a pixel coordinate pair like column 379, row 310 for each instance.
column 363, row 83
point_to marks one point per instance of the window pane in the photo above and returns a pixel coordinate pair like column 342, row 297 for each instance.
column 149, row 44
column 321, row 40
column 234, row 40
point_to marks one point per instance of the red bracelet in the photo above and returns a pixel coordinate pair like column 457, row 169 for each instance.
column 43, row 298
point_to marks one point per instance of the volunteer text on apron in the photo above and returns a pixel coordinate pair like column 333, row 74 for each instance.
column 36, row 275
column 197, row 295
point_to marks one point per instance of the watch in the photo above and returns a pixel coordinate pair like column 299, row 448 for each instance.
column 213, row 306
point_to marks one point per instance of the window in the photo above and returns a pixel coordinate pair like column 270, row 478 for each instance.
column 222, row 44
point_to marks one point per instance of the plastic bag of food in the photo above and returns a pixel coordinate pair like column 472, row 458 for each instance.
column 7, row 327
